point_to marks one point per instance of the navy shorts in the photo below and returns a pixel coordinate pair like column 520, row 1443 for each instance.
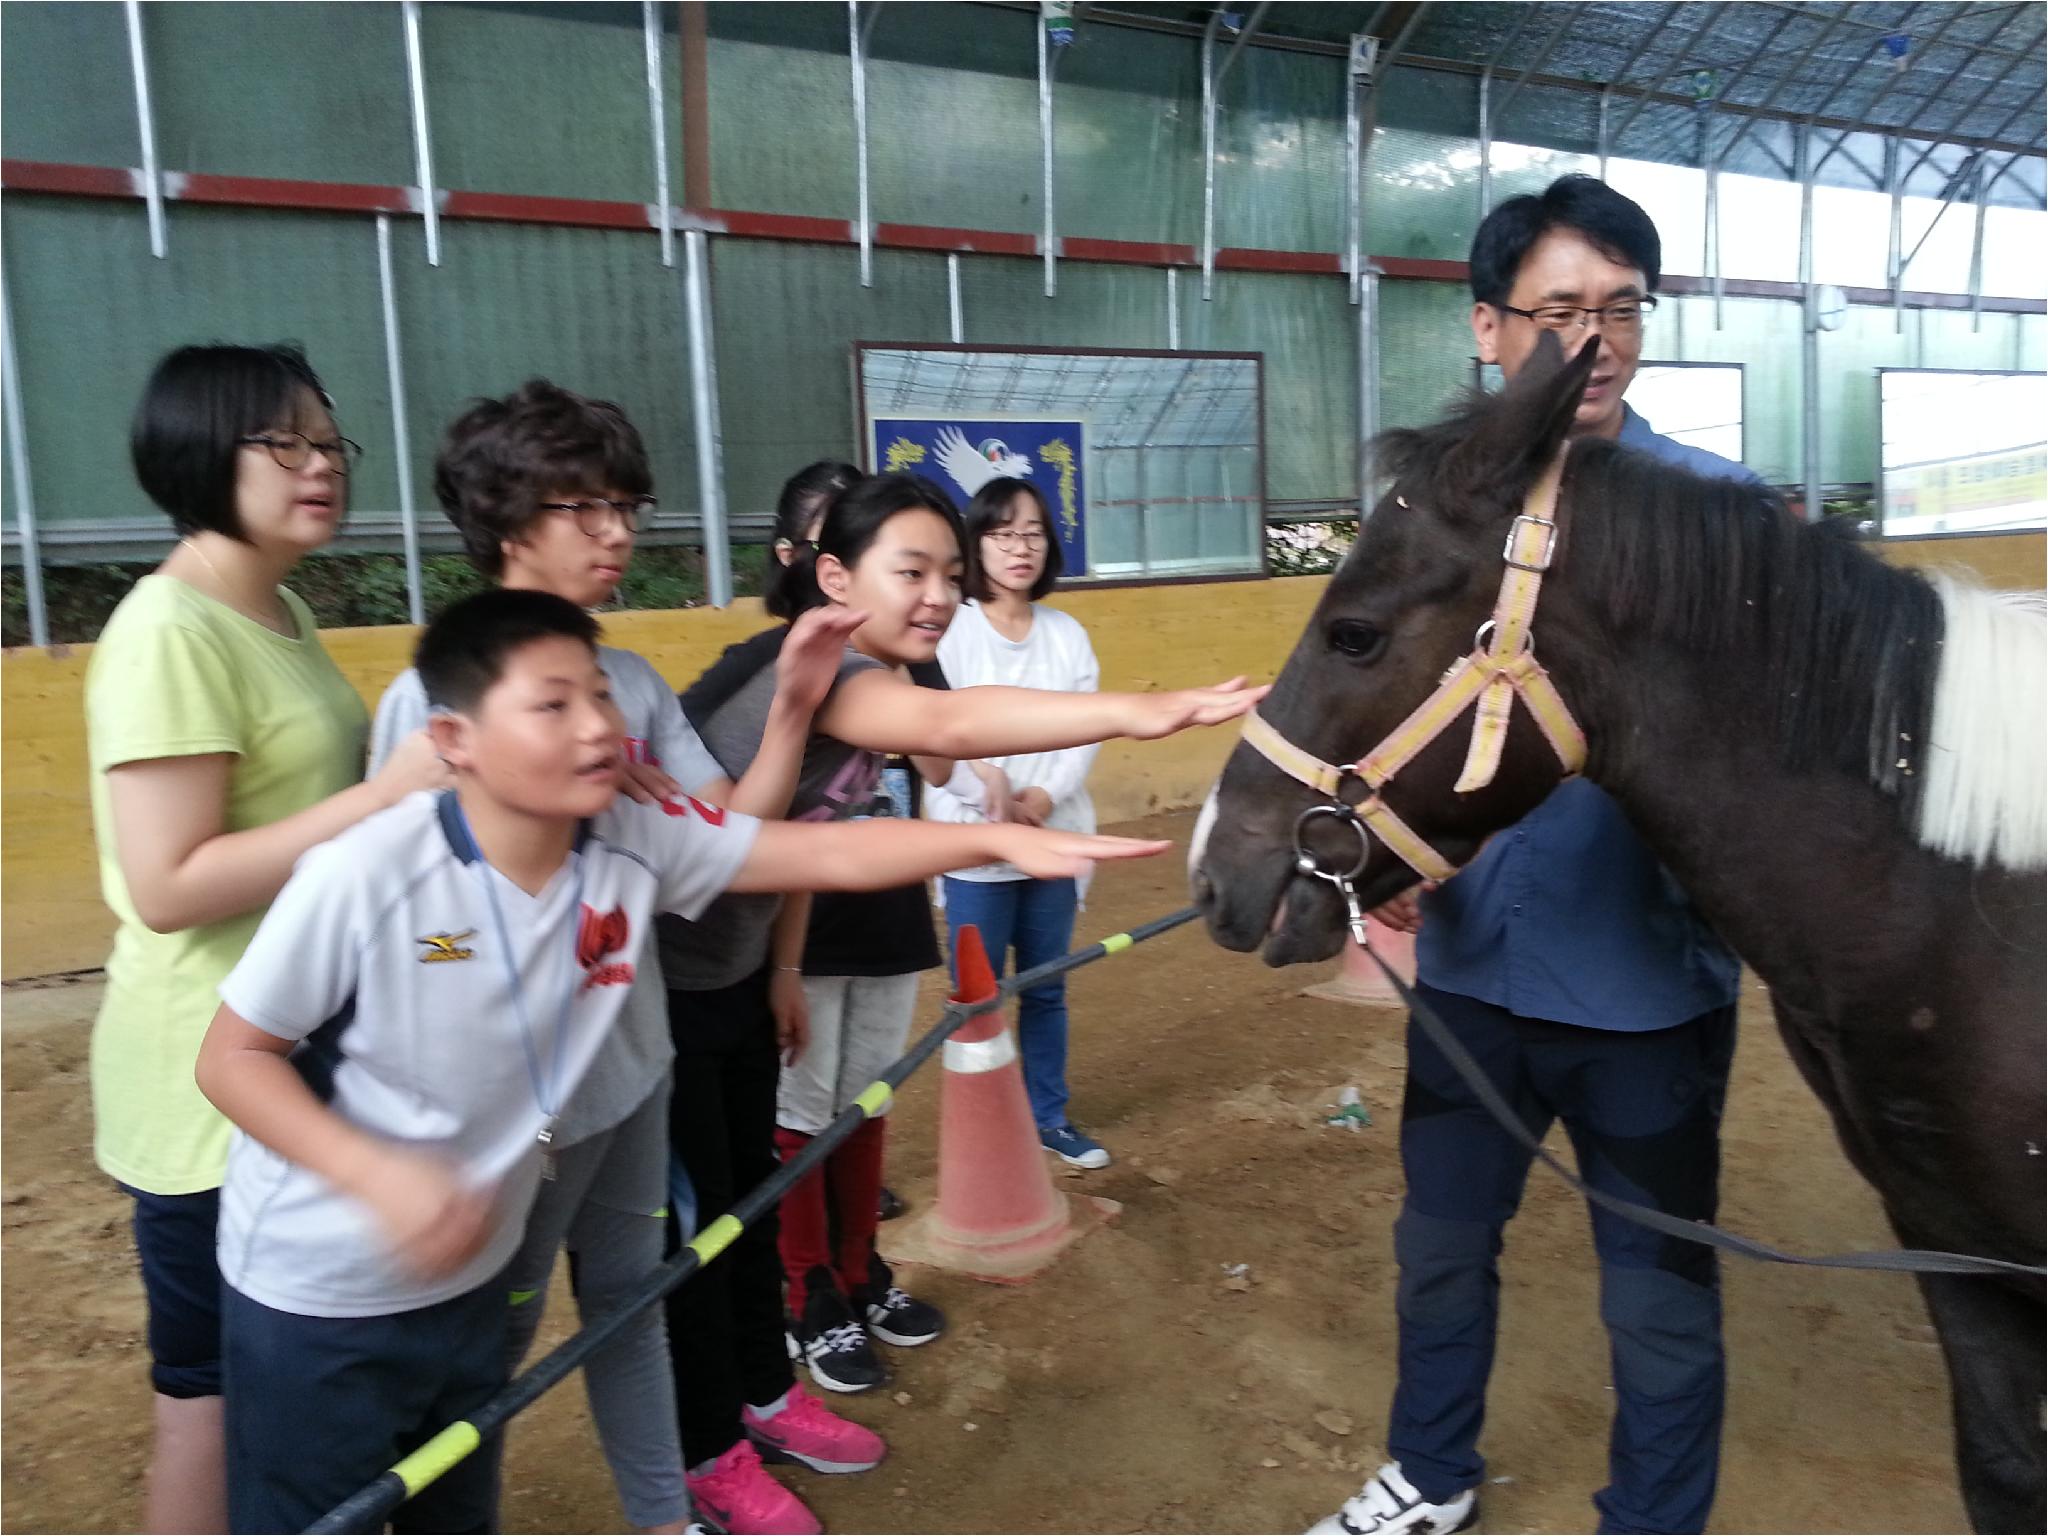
column 174, row 1237
column 319, row 1406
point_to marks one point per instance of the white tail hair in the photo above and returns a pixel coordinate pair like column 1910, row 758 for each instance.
column 1985, row 798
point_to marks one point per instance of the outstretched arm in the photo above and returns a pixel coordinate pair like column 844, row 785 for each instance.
column 880, row 712
column 804, row 670
column 882, row 854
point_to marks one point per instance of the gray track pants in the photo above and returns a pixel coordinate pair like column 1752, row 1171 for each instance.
column 607, row 1203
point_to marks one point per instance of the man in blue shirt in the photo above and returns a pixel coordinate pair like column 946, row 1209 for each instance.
column 1571, row 965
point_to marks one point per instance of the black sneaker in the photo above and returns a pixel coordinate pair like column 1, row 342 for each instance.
column 831, row 1341
column 890, row 1205
column 893, row 1315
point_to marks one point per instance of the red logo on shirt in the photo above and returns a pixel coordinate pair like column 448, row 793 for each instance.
column 683, row 805
column 598, row 935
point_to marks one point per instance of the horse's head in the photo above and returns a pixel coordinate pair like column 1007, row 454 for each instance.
column 1404, row 606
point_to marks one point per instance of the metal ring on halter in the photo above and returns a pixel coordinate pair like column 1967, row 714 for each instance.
column 1305, row 861
column 1479, row 639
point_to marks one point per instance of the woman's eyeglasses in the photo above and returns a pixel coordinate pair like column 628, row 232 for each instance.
column 1016, row 538
column 293, row 449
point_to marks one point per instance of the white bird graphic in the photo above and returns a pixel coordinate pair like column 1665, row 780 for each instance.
column 971, row 467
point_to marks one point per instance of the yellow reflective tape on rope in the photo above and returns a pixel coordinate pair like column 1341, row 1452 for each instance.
column 434, row 1458
column 873, row 1099
column 714, row 1239
column 1117, row 943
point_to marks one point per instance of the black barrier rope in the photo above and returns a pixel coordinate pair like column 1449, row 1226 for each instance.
column 365, row 1509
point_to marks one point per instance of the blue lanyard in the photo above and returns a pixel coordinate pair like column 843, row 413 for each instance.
column 544, row 1090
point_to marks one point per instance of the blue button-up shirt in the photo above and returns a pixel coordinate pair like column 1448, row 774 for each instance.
column 1567, row 915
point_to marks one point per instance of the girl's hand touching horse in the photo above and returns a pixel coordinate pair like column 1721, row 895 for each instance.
column 1153, row 715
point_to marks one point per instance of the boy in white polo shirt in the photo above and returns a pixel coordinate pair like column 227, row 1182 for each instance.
column 402, row 1032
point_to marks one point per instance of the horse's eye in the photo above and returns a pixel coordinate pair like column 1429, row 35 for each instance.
column 1357, row 639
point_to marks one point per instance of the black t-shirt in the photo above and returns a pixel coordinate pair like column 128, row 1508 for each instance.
column 853, row 933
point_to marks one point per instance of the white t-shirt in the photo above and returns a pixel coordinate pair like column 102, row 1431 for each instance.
column 386, row 942
column 636, row 1053
column 1054, row 654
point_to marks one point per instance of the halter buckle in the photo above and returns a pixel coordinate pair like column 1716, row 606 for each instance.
column 1507, row 550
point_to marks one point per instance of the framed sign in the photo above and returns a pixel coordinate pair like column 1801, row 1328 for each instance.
column 963, row 453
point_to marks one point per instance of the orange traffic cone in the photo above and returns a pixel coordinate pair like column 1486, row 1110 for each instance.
column 998, row 1216
column 1359, row 981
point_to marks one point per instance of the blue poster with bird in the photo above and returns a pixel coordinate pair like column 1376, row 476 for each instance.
column 961, row 454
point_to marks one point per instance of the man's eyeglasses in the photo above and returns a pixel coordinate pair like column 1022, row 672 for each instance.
column 293, row 449
column 1016, row 538
column 594, row 514
column 1622, row 316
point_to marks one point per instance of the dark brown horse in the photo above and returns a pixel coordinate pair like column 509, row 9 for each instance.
column 1842, row 763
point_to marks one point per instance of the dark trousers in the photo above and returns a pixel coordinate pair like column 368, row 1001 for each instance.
column 725, row 1327
column 319, row 1406
column 1643, row 1110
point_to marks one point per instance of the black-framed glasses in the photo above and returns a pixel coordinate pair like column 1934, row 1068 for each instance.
column 1622, row 315
column 1017, row 538
column 595, row 514
column 293, row 449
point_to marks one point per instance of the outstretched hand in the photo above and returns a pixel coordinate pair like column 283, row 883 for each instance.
column 1161, row 714
column 1049, row 855
column 810, row 655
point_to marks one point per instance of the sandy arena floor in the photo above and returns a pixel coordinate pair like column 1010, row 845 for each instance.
column 1132, row 1388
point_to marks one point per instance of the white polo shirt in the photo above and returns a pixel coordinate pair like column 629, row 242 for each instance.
column 441, row 1007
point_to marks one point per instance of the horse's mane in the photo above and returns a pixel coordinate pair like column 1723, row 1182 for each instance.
column 1930, row 690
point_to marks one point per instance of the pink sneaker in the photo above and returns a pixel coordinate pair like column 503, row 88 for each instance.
column 741, row 1497
column 808, row 1432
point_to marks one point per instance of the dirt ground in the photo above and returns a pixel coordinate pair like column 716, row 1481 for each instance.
column 1134, row 1387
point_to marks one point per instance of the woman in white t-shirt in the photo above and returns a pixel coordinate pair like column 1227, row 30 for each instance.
column 1004, row 635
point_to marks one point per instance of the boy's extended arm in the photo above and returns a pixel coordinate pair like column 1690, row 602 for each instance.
column 882, row 854
column 804, row 671
column 434, row 1222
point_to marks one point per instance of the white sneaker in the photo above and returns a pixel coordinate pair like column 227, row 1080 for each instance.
column 1389, row 1503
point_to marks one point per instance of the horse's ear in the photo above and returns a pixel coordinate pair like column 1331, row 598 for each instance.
column 1526, row 423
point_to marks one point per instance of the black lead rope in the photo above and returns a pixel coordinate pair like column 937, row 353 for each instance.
column 1920, row 1261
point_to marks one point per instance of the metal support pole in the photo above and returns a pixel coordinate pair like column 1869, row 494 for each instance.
column 1895, row 245
column 1368, row 387
column 1713, row 251
column 664, row 218
column 1209, row 154
column 1172, row 309
column 1605, row 142
column 1048, row 242
column 401, row 441
column 24, row 495
column 422, row 138
column 856, row 41
column 956, row 319
column 1809, row 334
column 1486, row 141
column 145, row 127
column 704, row 408
column 1977, row 251
column 1353, row 193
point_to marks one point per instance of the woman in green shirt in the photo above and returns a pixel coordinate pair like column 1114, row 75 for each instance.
column 224, row 743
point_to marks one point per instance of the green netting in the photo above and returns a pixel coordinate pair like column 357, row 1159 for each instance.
column 782, row 115
column 315, row 90
column 1002, row 300
column 65, row 89
column 1421, row 195
column 1425, row 350
column 530, row 99
column 786, row 320
column 94, row 312
column 592, row 310
column 1308, row 333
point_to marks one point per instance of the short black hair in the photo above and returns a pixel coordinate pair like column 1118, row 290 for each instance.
column 854, row 519
column 1616, row 225
column 990, row 510
column 199, row 403
column 501, row 457
column 805, row 495
column 463, row 652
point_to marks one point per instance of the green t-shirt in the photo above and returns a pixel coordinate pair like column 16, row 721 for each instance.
column 177, row 674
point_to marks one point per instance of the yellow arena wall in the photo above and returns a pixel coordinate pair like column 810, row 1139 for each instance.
column 1147, row 638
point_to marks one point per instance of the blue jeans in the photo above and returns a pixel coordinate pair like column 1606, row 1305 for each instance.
column 1643, row 1110
column 1036, row 917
